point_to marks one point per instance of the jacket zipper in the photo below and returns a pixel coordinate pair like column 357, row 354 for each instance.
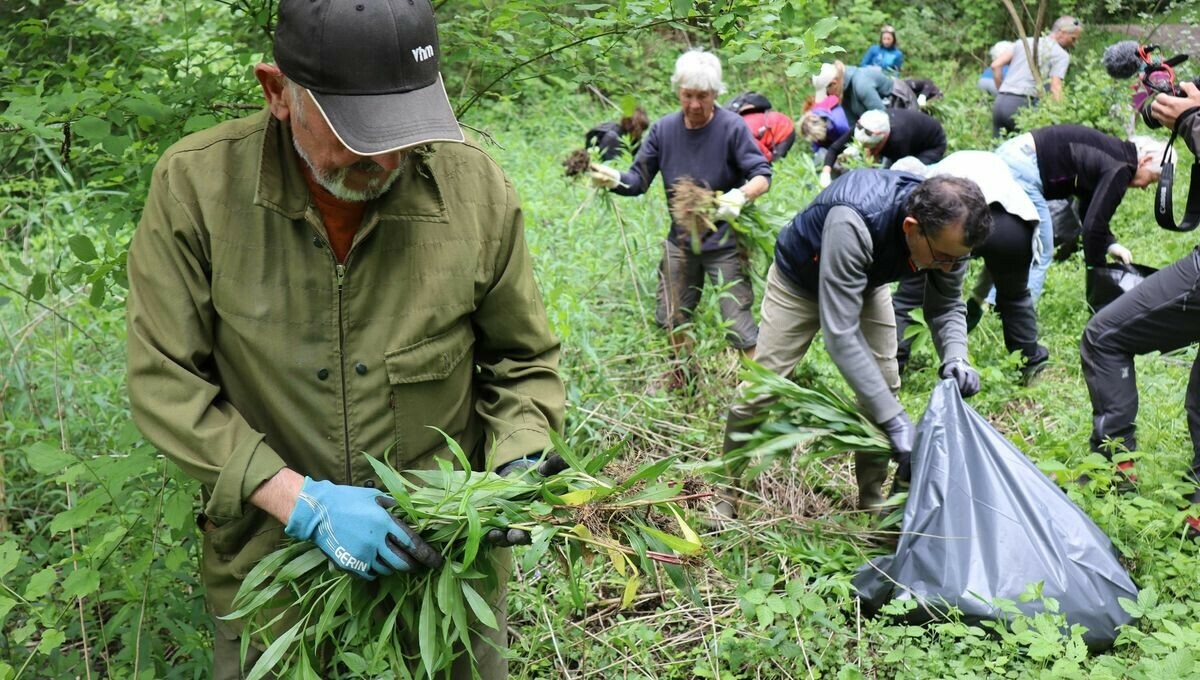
column 340, row 270
column 341, row 278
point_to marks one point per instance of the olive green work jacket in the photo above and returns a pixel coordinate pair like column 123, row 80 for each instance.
column 250, row 348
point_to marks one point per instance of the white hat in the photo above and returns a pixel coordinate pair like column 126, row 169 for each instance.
column 822, row 80
column 872, row 127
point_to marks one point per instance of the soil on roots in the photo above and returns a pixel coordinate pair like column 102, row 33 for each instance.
column 578, row 162
column 692, row 208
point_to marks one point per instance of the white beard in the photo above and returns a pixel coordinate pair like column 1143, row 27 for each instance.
column 334, row 181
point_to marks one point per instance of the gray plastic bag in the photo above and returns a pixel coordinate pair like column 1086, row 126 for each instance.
column 982, row 522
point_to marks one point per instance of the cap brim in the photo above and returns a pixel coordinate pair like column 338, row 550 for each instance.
column 382, row 123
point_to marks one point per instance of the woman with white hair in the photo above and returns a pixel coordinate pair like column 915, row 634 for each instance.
column 1001, row 51
column 1065, row 161
column 711, row 147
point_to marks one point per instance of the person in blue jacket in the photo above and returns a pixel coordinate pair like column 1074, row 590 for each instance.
column 859, row 89
column 886, row 54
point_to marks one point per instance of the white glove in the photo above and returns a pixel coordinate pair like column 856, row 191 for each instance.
column 1120, row 253
column 729, row 205
column 921, row 100
column 604, row 176
column 826, row 177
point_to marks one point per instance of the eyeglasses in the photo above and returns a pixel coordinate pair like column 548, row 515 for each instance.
column 871, row 133
column 941, row 258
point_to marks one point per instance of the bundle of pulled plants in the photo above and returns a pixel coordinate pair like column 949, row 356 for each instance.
column 416, row 625
column 796, row 424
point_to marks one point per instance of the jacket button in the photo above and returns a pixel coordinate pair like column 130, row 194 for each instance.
column 370, row 483
column 323, row 374
column 360, row 368
column 317, row 241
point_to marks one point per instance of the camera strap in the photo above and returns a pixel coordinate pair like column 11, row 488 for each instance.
column 1164, row 208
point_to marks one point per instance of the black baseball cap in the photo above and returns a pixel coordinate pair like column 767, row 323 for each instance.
column 372, row 67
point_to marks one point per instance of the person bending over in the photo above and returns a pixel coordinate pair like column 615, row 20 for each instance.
column 887, row 136
column 1160, row 315
column 833, row 269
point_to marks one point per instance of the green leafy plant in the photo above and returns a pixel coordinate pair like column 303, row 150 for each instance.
column 416, row 626
column 798, row 422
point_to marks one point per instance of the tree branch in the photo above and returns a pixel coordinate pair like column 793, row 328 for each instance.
column 482, row 133
column 237, row 106
column 566, row 46
column 55, row 312
column 1030, row 55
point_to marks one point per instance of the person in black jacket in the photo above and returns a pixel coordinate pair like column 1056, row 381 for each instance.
column 608, row 137
column 1159, row 315
column 1064, row 161
column 887, row 136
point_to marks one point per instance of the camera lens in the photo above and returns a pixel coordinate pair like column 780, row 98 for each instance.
column 1160, row 81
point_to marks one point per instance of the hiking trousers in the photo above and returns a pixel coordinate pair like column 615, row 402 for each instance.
column 681, row 275
column 1004, row 110
column 1161, row 314
column 790, row 321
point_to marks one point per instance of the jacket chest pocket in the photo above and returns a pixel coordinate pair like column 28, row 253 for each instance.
column 431, row 386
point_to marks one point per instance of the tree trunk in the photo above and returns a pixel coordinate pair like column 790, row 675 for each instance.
column 1031, row 55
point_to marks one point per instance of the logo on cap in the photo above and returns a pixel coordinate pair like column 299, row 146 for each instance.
column 423, row 53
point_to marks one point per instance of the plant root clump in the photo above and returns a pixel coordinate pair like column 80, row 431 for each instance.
column 577, row 163
column 693, row 207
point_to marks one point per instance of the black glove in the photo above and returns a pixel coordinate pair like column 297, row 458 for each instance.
column 900, row 432
column 974, row 314
column 550, row 465
column 966, row 377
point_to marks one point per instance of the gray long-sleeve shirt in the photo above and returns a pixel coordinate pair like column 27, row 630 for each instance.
column 721, row 155
column 846, row 256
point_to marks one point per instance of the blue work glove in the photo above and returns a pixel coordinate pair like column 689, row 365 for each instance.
column 551, row 465
column 966, row 377
column 900, row 432
column 352, row 526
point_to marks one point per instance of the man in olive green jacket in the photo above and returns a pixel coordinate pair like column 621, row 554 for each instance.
column 321, row 280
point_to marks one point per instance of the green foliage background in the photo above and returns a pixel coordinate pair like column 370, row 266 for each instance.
column 97, row 536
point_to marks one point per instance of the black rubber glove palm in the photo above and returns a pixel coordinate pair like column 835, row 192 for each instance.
column 900, row 432
column 550, row 465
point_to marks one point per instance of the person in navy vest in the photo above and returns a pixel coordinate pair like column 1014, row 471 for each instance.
column 834, row 266
column 712, row 147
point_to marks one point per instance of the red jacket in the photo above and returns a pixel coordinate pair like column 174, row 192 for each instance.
column 772, row 131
